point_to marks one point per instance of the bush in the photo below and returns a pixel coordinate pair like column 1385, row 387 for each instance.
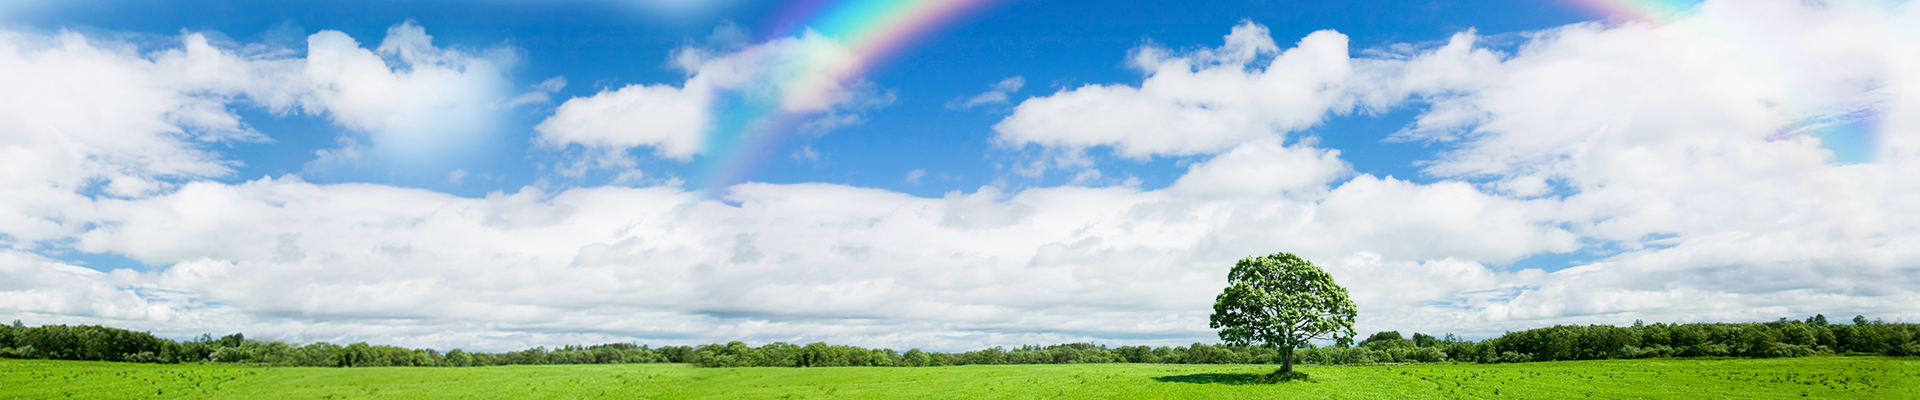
column 1513, row 357
column 143, row 357
column 1277, row 377
column 17, row 352
column 1911, row 349
column 1336, row 356
column 1787, row 350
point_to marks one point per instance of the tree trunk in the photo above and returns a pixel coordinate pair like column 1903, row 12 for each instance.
column 1286, row 362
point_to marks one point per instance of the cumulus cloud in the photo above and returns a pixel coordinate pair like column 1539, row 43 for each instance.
column 418, row 104
column 80, row 115
column 1263, row 167
column 1665, row 148
column 1676, row 140
column 137, row 120
column 675, row 121
column 1213, row 98
column 669, row 119
column 1698, row 199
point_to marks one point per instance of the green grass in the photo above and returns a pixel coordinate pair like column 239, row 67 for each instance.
column 1812, row 377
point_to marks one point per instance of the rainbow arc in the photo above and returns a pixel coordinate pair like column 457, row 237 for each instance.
column 871, row 31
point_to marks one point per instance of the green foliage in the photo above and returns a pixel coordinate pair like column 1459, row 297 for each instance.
column 85, row 342
column 99, row 343
column 1425, row 340
column 1284, row 376
column 1777, row 339
column 1281, row 301
column 1783, row 338
column 1382, row 336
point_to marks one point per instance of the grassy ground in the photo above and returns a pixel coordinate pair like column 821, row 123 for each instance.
column 1815, row 377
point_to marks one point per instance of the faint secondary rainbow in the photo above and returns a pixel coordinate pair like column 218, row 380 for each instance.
column 871, row 31
column 1844, row 129
column 1656, row 10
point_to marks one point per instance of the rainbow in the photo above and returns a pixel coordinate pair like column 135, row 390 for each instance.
column 871, row 30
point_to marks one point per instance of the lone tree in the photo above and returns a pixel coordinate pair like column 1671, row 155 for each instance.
column 1281, row 301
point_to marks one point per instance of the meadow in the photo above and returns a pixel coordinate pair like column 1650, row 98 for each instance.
column 1811, row 377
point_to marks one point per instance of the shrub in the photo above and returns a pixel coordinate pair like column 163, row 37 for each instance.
column 1513, row 357
column 1278, row 376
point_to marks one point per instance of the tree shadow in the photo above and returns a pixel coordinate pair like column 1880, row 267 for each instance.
column 1223, row 379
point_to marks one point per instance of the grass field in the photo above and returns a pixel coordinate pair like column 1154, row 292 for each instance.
column 1813, row 377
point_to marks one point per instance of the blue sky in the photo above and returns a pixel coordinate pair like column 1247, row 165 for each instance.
column 1501, row 164
column 600, row 45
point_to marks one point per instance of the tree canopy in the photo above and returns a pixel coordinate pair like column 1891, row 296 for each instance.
column 1281, row 301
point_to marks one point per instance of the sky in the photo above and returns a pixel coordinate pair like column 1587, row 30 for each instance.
column 946, row 174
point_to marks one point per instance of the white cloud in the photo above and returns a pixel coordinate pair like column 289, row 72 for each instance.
column 317, row 262
column 805, row 155
column 1676, row 143
column 1681, row 135
column 541, row 94
column 995, row 96
column 1197, row 103
column 1264, row 167
column 40, row 284
column 1393, row 75
column 1210, row 101
column 1407, row 221
column 77, row 115
column 419, row 105
column 914, row 176
column 136, row 121
column 671, row 120
column 729, row 35
column 675, row 121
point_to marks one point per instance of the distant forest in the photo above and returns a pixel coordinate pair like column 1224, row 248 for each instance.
column 1783, row 338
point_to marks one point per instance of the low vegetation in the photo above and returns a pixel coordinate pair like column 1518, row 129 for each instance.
column 1783, row 338
column 1803, row 377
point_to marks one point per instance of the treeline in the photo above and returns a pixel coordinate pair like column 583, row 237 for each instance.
column 1783, row 338
column 99, row 343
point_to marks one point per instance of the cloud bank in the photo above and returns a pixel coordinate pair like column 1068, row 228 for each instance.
column 1688, row 184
